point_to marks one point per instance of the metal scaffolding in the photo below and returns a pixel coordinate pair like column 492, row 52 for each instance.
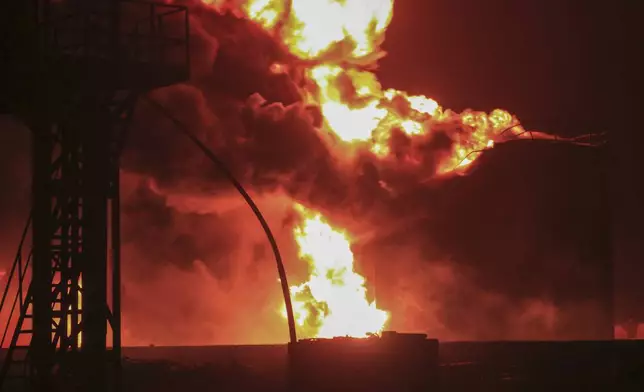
column 77, row 71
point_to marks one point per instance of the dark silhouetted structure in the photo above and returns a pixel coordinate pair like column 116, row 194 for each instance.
column 72, row 72
column 393, row 362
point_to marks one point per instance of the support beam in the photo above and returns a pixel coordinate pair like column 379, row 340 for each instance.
column 71, row 70
column 76, row 231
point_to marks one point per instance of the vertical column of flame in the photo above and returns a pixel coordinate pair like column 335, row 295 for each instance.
column 333, row 302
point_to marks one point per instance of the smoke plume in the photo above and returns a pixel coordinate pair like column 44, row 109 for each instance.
column 197, row 268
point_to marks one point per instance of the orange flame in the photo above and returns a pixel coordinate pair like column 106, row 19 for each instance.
column 312, row 29
column 333, row 302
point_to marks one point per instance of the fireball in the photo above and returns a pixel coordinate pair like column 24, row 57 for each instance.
column 333, row 302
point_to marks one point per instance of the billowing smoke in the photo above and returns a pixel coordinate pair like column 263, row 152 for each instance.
column 197, row 268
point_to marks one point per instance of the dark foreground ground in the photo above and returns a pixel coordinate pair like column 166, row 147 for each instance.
column 464, row 366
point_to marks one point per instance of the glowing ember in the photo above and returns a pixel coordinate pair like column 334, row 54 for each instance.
column 70, row 319
column 333, row 302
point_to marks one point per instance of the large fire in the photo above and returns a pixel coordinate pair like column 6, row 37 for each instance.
column 334, row 44
column 338, row 41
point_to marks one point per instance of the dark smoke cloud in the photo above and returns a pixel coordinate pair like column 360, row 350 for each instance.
column 196, row 266
column 516, row 249
column 450, row 221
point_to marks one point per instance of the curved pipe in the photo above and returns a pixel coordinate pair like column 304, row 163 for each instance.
column 269, row 234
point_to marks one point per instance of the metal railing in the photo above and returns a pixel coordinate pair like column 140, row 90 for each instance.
column 18, row 270
column 121, row 32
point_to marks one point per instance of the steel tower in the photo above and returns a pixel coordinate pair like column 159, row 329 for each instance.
column 72, row 72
